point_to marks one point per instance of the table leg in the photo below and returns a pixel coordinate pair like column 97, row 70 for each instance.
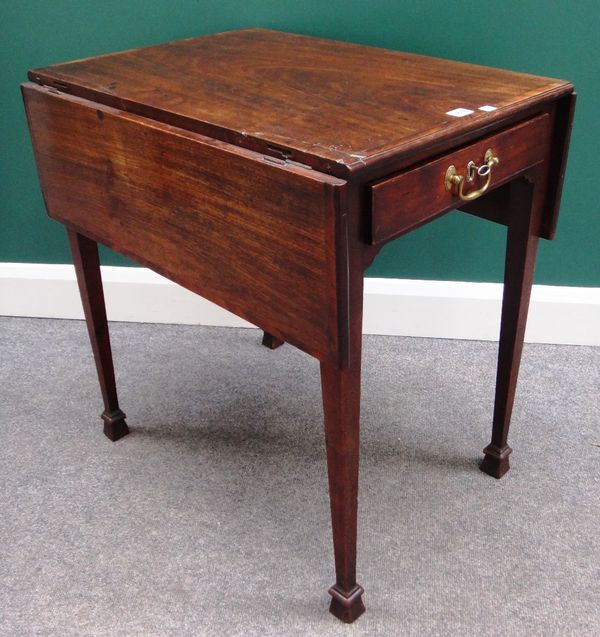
column 270, row 341
column 87, row 268
column 521, row 248
column 341, row 406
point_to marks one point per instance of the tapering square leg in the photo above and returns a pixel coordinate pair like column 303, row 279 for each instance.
column 87, row 269
column 341, row 406
column 521, row 248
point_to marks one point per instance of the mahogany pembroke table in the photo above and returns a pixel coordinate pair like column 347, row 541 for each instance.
column 265, row 170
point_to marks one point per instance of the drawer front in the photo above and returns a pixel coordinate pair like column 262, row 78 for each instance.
column 253, row 236
column 407, row 200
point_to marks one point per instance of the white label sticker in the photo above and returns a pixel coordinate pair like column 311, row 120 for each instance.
column 459, row 112
column 487, row 108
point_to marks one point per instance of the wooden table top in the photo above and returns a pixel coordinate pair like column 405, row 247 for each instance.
column 332, row 105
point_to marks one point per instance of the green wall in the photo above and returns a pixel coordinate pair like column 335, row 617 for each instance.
column 555, row 38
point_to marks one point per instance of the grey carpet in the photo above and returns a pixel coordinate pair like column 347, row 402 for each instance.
column 212, row 517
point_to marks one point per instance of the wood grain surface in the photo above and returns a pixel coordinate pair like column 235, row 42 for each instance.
column 251, row 235
column 336, row 106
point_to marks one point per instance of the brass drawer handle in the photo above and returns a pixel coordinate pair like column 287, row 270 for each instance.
column 452, row 178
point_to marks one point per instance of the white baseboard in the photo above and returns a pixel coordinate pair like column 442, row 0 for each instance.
column 437, row 309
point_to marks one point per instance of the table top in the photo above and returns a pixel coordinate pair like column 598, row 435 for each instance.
column 332, row 105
